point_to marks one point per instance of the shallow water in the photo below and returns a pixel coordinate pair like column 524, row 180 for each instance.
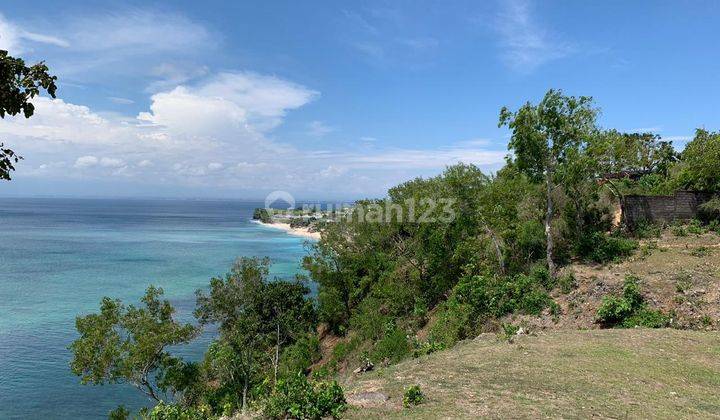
column 59, row 257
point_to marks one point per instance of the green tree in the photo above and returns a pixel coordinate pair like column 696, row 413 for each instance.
column 699, row 167
column 256, row 319
column 18, row 85
column 129, row 344
column 544, row 137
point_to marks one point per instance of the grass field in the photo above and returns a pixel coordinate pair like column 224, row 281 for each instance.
column 638, row 373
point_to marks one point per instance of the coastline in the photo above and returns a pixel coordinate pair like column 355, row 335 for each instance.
column 300, row 231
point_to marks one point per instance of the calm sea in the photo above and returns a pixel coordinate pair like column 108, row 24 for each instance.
column 59, row 257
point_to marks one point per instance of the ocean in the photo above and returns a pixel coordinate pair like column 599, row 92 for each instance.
column 59, row 257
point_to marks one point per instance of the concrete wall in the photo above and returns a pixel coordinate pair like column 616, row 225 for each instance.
column 682, row 205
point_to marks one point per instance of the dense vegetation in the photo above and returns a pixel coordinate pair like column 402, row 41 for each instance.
column 443, row 258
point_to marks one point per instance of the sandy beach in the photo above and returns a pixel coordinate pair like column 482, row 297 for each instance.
column 300, row 231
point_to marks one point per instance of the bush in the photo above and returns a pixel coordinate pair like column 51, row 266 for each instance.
column 710, row 210
column 120, row 413
column 475, row 298
column 299, row 356
column 427, row 347
column 567, row 282
column 452, row 324
column 679, row 230
column 164, row 411
column 647, row 318
column 629, row 310
column 296, row 397
column 413, row 396
column 602, row 248
column 393, row 347
column 695, row 227
column 647, row 230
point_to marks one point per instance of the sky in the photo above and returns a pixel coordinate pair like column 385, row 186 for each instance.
column 333, row 99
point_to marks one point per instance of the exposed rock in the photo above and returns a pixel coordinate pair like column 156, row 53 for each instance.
column 367, row 399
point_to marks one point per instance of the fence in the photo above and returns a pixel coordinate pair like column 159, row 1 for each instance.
column 682, row 205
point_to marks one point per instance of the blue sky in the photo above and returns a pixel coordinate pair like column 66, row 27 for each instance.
column 333, row 99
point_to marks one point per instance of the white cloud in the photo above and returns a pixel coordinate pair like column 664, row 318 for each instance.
column 525, row 44
column 216, row 133
column 86, row 161
column 319, row 129
column 15, row 40
column 111, row 162
column 121, row 101
column 147, row 30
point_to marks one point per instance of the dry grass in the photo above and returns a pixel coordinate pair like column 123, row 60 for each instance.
column 635, row 373
column 675, row 278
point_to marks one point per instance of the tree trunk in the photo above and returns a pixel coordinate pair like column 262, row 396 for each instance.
column 548, row 224
column 244, row 395
column 277, row 353
column 498, row 250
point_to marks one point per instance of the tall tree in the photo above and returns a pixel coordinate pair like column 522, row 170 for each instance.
column 699, row 168
column 18, row 85
column 129, row 344
column 544, row 137
column 256, row 317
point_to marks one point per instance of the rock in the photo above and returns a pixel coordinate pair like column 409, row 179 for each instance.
column 365, row 367
column 367, row 399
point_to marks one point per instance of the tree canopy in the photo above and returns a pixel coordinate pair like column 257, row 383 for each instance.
column 19, row 84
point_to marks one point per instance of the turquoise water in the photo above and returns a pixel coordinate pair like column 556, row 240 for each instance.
column 59, row 257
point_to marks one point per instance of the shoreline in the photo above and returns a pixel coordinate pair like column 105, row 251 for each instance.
column 303, row 231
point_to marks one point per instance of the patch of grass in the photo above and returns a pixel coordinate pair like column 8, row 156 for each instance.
column 559, row 374
column 700, row 252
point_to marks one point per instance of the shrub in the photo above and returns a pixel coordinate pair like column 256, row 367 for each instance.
column 427, row 347
column 413, row 396
column 629, row 310
column 299, row 356
column 120, row 413
column 393, row 347
column 613, row 310
column 509, row 330
column 567, row 282
column 602, row 248
column 452, row 324
column 679, row 230
column 296, row 397
column 478, row 297
column 695, row 227
column 647, row 318
column 647, row 230
column 164, row 411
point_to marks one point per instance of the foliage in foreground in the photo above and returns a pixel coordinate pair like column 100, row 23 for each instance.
column 19, row 84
